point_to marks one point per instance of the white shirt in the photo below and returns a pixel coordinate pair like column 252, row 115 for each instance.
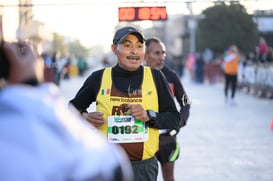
column 42, row 140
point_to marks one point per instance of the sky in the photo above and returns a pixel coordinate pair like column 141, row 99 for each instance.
column 93, row 21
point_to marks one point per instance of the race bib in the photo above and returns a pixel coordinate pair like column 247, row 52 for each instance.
column 125, row 129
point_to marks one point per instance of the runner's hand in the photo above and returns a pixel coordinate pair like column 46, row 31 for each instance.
column 95, row 118
column 138, row 112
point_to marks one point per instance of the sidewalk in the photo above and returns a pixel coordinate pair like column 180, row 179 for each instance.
column 220, row 142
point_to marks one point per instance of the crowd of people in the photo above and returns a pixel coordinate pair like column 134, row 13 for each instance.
column 212, row 68
column 57, row 68
column 208, row 65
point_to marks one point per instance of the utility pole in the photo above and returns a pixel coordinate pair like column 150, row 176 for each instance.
column 192, row 28
column 25, row 16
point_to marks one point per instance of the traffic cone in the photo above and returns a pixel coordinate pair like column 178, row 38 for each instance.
column 271, row 126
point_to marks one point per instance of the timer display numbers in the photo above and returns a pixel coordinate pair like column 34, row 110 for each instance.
column 155, row 13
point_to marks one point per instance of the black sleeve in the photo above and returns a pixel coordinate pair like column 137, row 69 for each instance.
column 182, row 99
column 168, row 116
column 87, row 94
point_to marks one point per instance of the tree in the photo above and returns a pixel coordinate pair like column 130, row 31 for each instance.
column 225, row 25
column 77, row 50
column 59, row 46
column 65, row 49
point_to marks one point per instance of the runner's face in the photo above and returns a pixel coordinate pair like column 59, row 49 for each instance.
column 156, row 56
column 130, row 53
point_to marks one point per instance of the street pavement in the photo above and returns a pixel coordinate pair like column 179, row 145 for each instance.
column 221, row 142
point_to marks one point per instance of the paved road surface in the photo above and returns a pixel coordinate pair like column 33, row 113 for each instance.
column 221, row 142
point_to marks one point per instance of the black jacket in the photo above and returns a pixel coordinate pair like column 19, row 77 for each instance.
column 179, row 93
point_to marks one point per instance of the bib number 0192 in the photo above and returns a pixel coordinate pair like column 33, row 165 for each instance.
column 125, row 129
column 133, row 129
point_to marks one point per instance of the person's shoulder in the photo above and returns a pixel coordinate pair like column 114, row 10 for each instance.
column 169, row 71
column 96, row 74
column 98, row 71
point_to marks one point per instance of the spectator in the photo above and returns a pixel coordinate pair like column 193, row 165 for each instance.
column 199, row 68
column 82, row 66
column 41, row 139
column 231, row 61
column 263, row 48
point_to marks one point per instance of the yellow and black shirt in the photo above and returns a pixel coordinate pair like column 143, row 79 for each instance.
column 130, row 87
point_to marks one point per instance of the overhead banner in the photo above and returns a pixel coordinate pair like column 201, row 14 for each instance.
column 154, row 13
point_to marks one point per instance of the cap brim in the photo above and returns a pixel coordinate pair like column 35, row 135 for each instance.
column 136, row 33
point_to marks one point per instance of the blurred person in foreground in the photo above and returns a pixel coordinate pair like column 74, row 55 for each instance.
column 41, row 139
column 169, row 148
column 132, row 103
column 231, row 62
